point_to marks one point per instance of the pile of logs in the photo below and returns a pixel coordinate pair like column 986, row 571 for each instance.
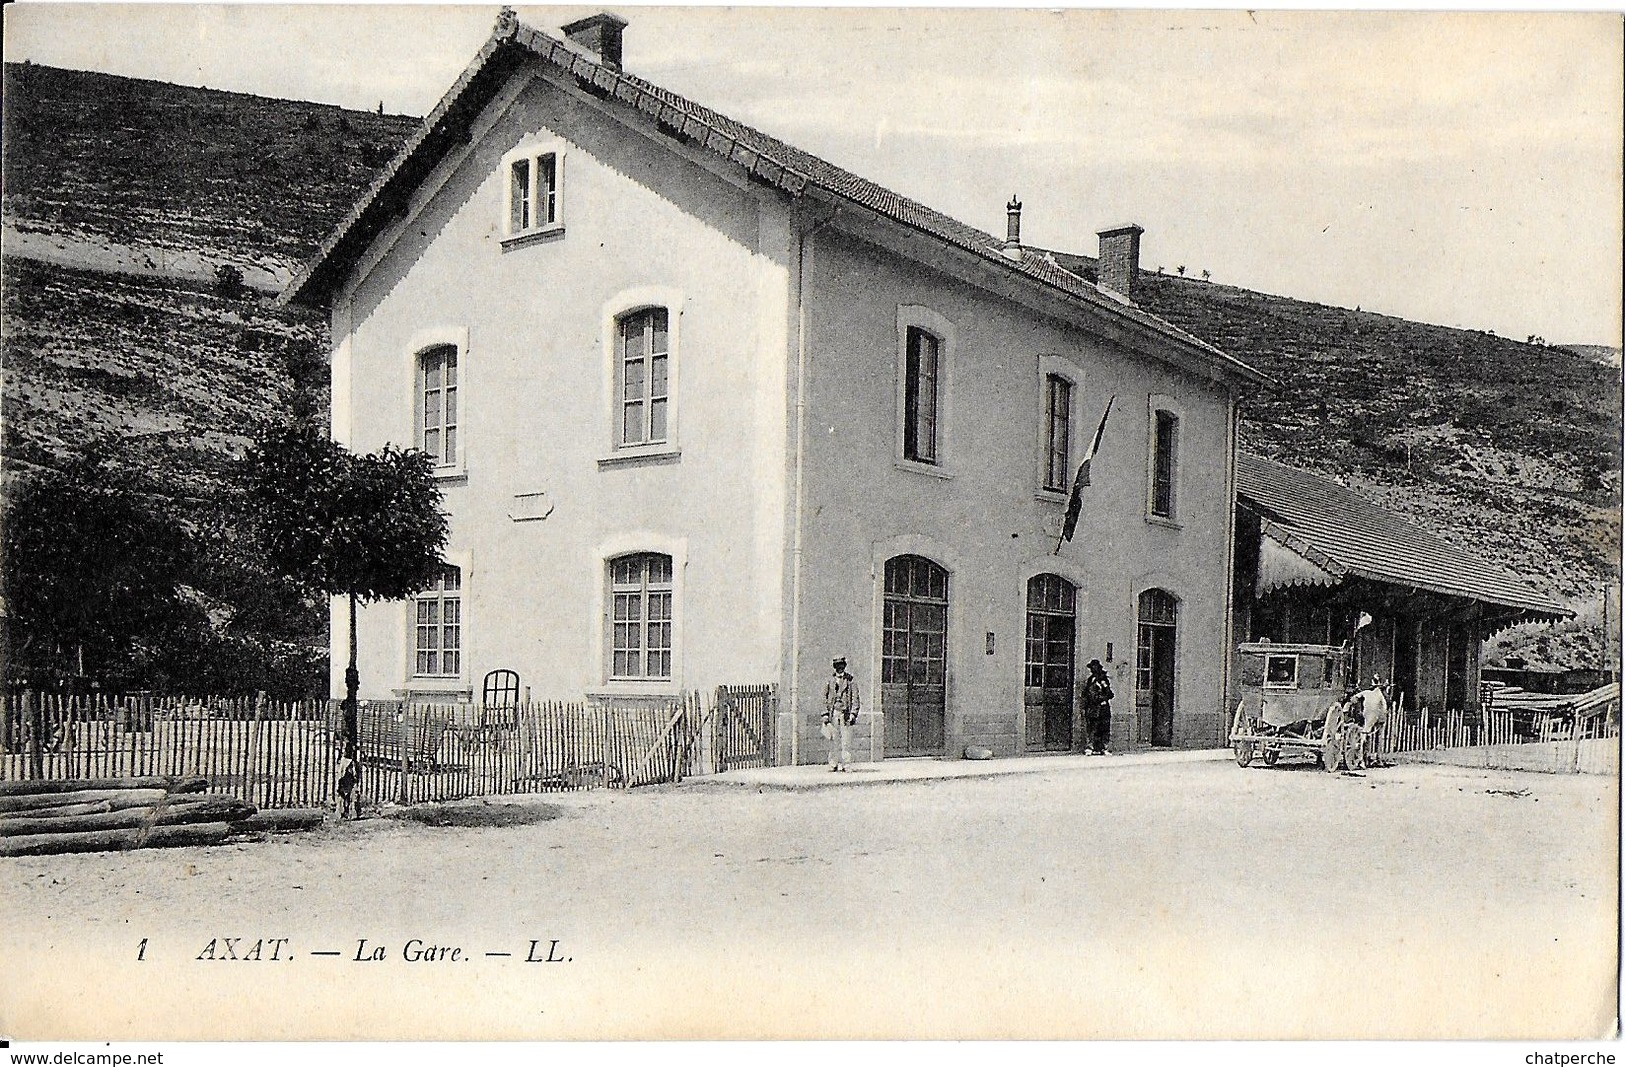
column 106, row 814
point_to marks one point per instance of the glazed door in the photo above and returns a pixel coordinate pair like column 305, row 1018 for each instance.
column 1162, row 686
column 1155, row 664
column 1049, row 668
column 914, row 657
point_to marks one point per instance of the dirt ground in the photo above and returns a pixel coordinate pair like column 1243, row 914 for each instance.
column 1193, row 900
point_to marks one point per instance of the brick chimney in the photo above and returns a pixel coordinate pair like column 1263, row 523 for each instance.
column 1012, row 228
column 1120, row 259
column 599, row 34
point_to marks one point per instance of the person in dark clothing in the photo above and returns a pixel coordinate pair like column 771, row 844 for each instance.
column 1097, row 711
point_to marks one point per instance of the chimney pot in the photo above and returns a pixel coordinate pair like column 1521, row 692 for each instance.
column 1012, row 228
column 1119, row 267
column 599, row 34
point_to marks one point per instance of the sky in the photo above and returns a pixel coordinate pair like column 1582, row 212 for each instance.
column 1461, row 169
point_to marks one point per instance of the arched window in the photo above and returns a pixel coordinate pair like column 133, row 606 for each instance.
column 642, row 377
column 1051, row 619
column 640, row 616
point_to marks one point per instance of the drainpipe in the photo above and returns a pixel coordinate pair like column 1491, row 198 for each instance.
column 802, row 242
column 1225, row 710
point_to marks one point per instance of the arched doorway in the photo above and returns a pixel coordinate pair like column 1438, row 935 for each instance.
column 1154, row 663
column 914, row 656
column 1052, row 626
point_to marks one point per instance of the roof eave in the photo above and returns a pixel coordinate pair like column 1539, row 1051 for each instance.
column 323, row 272
column 1290, row 536
column 1530, row 612
column 1215, row 361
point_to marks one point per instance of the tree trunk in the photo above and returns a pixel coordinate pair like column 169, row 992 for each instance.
column 174, row 783
column 218, row 809
column 118, row 798
column 202, row 833
column 283, row 819
column 352, row 684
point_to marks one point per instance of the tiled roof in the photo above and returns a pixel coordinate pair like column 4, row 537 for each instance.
column 1345, row 534
column 767, row 158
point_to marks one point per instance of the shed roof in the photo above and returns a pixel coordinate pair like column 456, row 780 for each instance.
column 1344, row 534
column 765, row 158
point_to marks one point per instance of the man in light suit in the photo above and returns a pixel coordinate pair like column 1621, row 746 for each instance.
column 840, row 715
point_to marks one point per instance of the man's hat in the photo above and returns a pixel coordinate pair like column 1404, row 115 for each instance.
column 840, row 661
column 1094, row 665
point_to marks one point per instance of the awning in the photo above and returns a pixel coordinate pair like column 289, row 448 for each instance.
column 1314, row 531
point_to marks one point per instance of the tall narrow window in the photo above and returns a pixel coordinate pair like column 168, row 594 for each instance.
column 519, row 196
column 437, row 404
column 640, row 616
column 1058, row 431
column 921, row 372
column 547, row 190
column 643, row 362
column 440, row 626
column 1164, row 464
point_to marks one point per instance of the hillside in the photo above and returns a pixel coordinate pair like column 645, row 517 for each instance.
column 1507, row 448
column 171, row 171
column 124, row 198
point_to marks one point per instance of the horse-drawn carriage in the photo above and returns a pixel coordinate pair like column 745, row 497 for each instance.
column 1298, row 699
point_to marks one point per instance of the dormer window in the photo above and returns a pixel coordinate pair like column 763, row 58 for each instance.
column 533, row 192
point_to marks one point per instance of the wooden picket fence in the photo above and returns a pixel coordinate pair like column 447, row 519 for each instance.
column 277, row 754
column 274, row 754
column 418, row 752
column 1507, row 722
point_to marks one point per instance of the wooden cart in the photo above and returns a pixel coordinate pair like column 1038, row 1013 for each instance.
column 1293, row 700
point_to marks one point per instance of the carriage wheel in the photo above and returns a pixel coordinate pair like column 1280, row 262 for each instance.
column 1271, row 756
column 1354, row 747
column 1244, row 753
column 1331, row 753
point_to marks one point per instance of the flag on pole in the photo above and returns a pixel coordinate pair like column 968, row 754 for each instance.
column 1074, row 506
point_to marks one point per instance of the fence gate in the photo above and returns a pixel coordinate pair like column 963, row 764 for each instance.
column 742, row 726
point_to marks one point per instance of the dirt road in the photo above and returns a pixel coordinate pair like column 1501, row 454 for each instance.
column 1197, row 900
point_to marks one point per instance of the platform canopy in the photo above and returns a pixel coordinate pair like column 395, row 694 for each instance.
column 1314, row 531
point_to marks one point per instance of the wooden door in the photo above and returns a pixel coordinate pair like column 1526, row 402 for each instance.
column 1156, row 662
column 914, row 657
column 1406, row 637
column 1050, row 662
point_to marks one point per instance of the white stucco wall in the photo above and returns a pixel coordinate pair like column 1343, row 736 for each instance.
column 534, row 321
column 779, row 555
column 986, row 520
